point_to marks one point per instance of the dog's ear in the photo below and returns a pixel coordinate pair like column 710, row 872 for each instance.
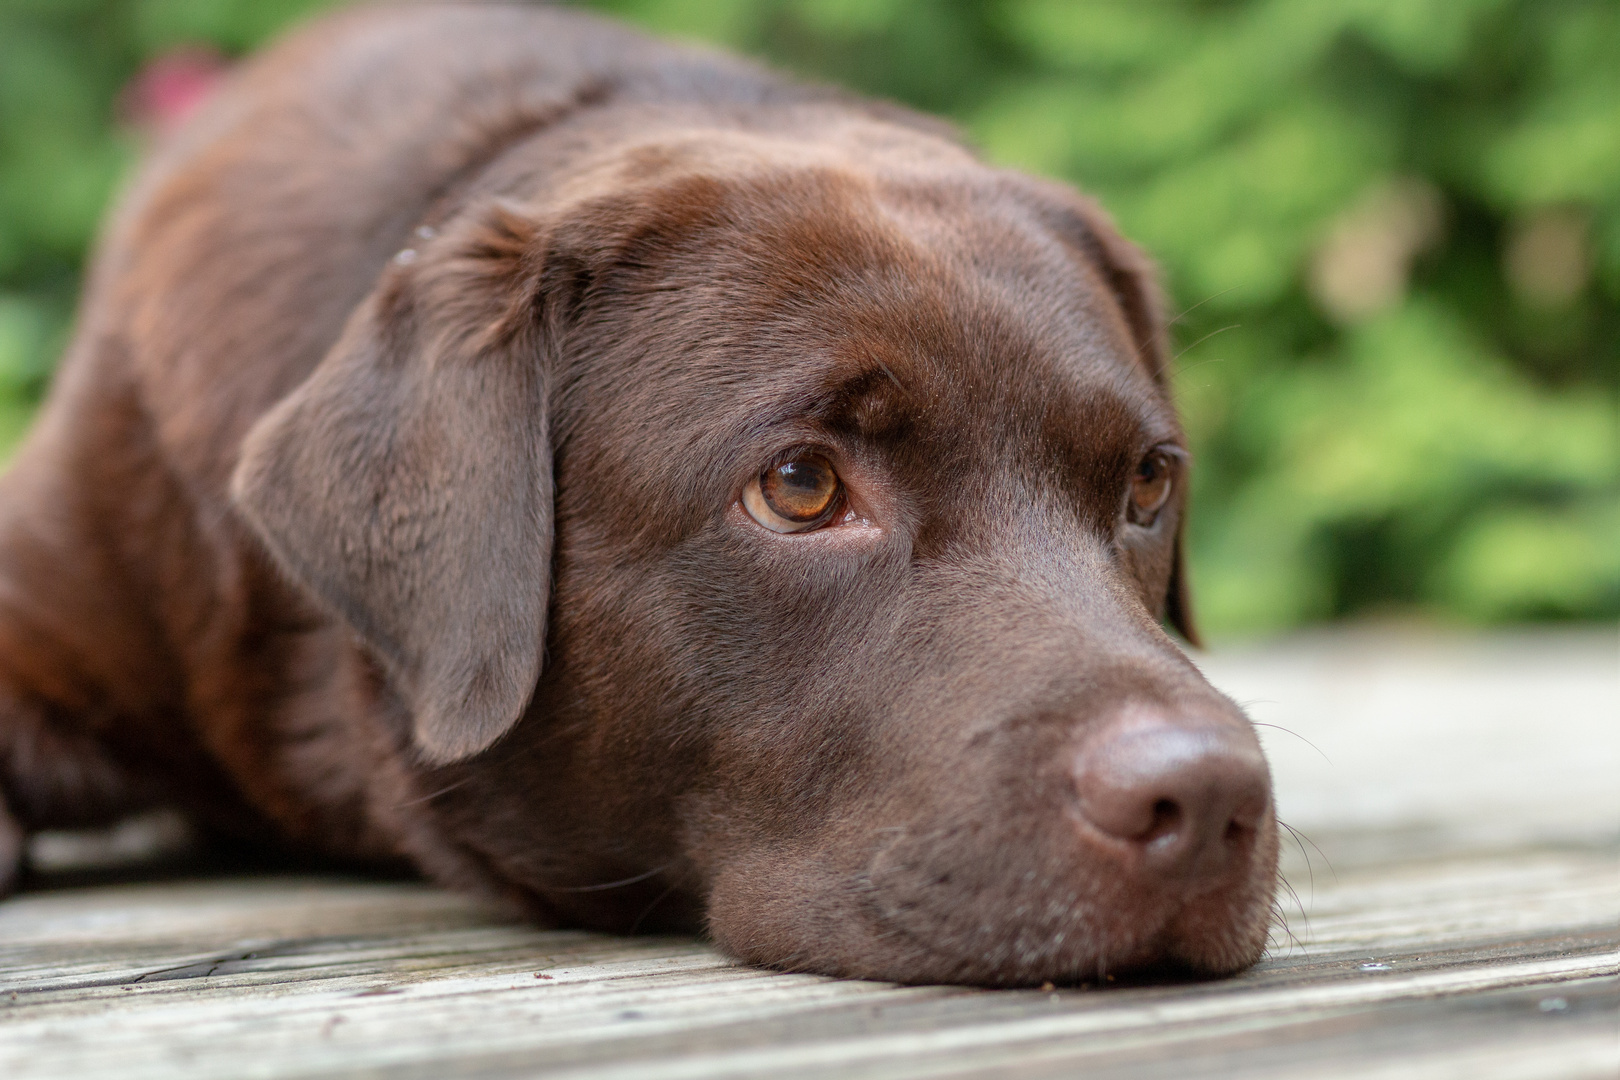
column 1178, row 602
column 1134, row 281
column 407, row 484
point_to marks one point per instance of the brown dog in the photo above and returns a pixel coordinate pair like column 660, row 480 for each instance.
column 628, row 483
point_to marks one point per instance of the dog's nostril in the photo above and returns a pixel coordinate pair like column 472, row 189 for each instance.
column 1166, row 819
column 1190, row 796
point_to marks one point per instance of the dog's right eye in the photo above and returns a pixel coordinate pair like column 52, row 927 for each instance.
column 1150, row 488
column 795, row 496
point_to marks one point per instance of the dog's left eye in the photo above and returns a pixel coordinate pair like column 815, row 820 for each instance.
column 1150, row 488
column 795, row 496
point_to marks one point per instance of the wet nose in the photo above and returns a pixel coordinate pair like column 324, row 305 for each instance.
column 1190, row 795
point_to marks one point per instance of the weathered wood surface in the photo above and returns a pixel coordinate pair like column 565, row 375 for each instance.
column 1495, row 967
column 1436, row 945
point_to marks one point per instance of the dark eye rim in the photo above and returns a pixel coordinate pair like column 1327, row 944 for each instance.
column 1175, row 457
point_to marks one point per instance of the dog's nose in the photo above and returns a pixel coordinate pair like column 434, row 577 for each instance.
column 1190, row 795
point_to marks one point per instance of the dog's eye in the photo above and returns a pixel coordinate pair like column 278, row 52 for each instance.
column 1150, row 488
column 795, row 496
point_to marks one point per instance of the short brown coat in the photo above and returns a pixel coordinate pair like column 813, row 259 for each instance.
column 386, row 505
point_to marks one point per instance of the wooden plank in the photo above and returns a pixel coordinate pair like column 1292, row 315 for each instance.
column 1434, row 927
column 288, row 977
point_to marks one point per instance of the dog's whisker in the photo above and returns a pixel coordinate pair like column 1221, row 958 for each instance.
column 1188, row 311
column 621, row 883
column 659, row 899
column 434, row 794
column 1295, row 734
column 1280, row 919
column 1184, row 372
column 1298, row 835
column 1281, row 824
column 1298, row 904
column 1200, row 341
column 1282, row 912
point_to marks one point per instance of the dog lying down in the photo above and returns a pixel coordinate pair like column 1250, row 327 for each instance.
column 627, row 483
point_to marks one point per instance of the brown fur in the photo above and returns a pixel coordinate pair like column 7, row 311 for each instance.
column 386, row 504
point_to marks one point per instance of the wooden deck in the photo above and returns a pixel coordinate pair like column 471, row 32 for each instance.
column 1465, row 793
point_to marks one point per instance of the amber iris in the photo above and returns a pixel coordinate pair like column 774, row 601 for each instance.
column 1150, row 488
column 794, row 496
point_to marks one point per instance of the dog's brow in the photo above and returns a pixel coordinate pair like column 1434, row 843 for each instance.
column 881, row 366
column 869, row 397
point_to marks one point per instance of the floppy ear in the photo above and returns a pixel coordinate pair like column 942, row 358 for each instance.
column 1134, row 281
column 407, row 484
column 1178, row 604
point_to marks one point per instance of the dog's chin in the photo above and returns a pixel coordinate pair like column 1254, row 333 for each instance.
column 901, row 922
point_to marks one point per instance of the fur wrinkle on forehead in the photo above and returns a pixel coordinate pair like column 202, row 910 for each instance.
column 868, row 398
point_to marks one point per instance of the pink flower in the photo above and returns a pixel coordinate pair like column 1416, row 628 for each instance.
column 171, row 86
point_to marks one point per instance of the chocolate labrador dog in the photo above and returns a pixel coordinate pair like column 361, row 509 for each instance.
column 625, row 482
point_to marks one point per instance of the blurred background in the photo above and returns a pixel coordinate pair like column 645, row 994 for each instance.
column 1390, row 228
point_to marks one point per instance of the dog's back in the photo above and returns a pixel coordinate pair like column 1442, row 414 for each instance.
column 147, row 653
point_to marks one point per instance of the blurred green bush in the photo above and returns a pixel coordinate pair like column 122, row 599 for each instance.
column 1392, row 228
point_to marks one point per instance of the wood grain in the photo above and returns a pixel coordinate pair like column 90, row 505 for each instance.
column 1410, row 949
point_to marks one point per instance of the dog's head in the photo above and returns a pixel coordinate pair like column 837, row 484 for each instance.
column 777, row 533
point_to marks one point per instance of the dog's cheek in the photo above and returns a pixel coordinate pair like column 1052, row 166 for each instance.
column 795, row 911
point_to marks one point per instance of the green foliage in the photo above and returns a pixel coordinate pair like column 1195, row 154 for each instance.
column 1392, row 227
